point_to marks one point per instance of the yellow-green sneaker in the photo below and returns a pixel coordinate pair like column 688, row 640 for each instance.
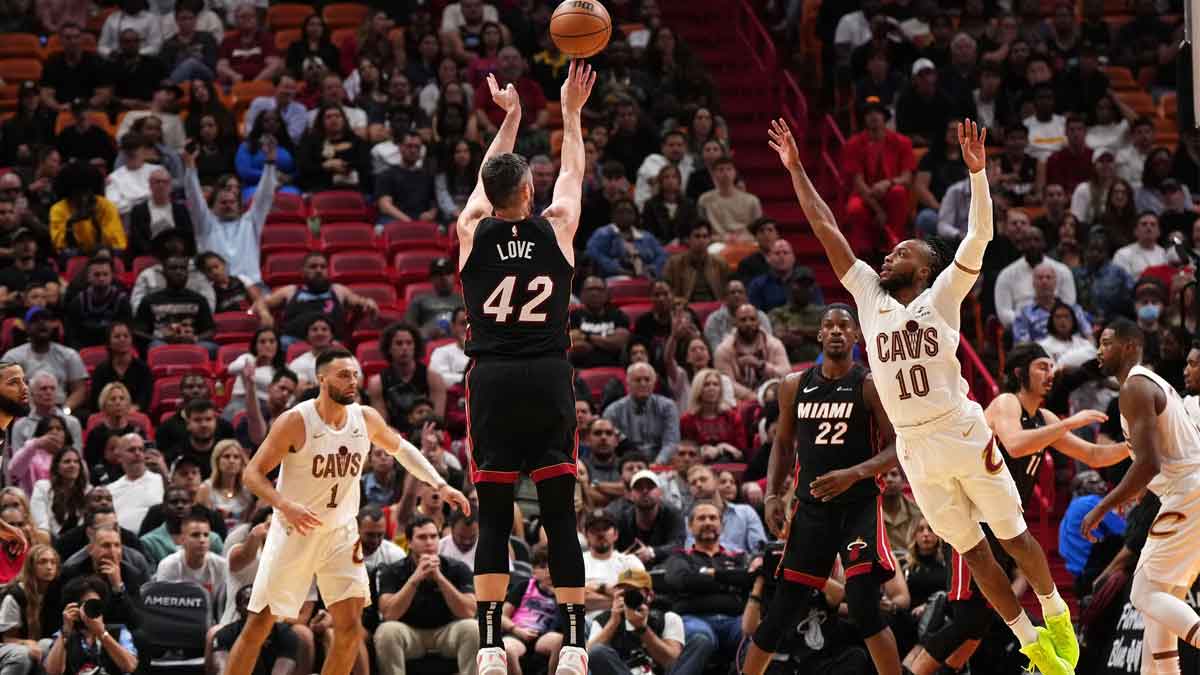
column 1062, row 633
column 1043, row 657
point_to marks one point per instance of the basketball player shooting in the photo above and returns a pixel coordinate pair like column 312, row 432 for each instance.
column 1164, row 443
column 516, row 270
column 909, row 314
column 831, row 422
column 323, row 445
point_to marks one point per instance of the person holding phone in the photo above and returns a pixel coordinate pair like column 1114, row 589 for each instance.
column 632, row 638
column 84, row 645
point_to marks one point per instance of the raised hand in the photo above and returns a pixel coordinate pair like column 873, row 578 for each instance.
column 1084, row 418
column 506, row 98
column 577, row 87
column 784, row 143
column 971, row 139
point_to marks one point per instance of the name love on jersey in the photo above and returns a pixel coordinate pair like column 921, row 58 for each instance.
column 907, row 344
column 336, row 464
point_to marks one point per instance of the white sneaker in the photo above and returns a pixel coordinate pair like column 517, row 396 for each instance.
column 491, row 661
column 571, row 661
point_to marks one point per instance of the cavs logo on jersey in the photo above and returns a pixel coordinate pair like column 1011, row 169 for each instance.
column 992, row 460
column 336, row 464
column 913, row 342
column 1165, row 524
column 357, row 555
column 856, row 548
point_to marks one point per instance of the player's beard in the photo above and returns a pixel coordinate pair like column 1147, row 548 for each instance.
column 343, row 398
column 13, row 408
column 896, row 281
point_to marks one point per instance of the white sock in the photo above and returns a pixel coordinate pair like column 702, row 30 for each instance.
column 1023, row 628
column 1052, row 605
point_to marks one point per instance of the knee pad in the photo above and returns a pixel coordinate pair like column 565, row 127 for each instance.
column 862, row 599
column 495, row 525
column 788, row 607
column 557, row 498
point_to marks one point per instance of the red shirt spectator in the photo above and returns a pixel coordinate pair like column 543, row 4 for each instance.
column 510, row 71
column 709, row 421
column 1071, row 165
column 248, row 59
column 725, row 427
column 880, row 164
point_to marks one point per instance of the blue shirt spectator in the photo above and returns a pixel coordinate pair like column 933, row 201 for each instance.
column 1033, row 321
column 1072, row 545
column 622, row 249
column 1102, row 288
column 251, row 163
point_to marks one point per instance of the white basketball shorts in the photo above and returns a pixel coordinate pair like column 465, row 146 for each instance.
column 290, row 561
column 1171, row 555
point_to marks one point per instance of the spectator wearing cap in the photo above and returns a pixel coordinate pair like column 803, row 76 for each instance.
column 28, row 269
column 1032, row 321
column 129, row 185
column 1144, row 251
column 292, row 112
column 765, row 232
column 1089, row 197
column 75, row 73
column 620, row 249
column 710, row 581
column 624, row 639
column 880, row 164
column 796, row 323
column 432, row 312
column 923, row 110
column 92, row 311
column 772, row 288
column 249, row 52
column 647, row 420
column 138, row 488
column 44, row 353
column 171, row 244
column 449, row 360
column 1131, row 159
column 85, row 142
column 728, row 208
column 741, row 528
column 1072, row 164
column 646, row 527
column 695, row 274
column 165, row 539
column 1047, row 129
column 83, row 221
column 599, row 330
column 158, row 216
column 135, row 74
column 602, row 563
column 406, row 190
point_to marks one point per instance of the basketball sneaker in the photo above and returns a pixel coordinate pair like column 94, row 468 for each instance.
column 1042, row 656
column 1062, row 633
column 571, row 661
column 491, row 661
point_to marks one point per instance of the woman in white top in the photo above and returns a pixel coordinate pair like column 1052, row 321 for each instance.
column 59, row 502
column 1108, row 125
column 129, row 185
column 1063, row 336
column 223, row 492
column 267, row 358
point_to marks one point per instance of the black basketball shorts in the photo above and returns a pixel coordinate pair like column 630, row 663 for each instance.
column 521, row 418
column 819, row 532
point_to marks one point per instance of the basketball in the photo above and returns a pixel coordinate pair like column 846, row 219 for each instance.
column 580, row 28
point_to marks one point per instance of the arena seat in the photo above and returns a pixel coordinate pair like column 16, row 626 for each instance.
column 401, row 236
column 143, row 263
column 368, row 329
column 413, row 266
column 629, row 291
column 384, row 295
column 178, row 359
column 284, row 38
column 93, row 356
column 227, row 354
column 288, row 15
column 344, row 15
column 597, row 378
column 287, row 208
column 635, row 310
column 340, row 206
column 414, row 291
column 284, row 237
column 137, row 418
column 351, row 266
column 704, row 309
column 235, row 328
column 283, row 268
column 20, row 46
column 431, row 345
column 19, row 70
column 335, row 237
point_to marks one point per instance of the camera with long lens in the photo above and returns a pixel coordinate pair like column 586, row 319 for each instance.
column 634, row 598
column 92, row 608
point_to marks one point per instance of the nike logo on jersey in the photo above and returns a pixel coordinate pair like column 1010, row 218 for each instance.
column 809, row 390
column 885, row 311
column 319, row 435
column 969, row 430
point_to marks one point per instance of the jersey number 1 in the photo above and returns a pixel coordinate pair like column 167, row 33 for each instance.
column 920, row 382
column 332, row 498
column 499, row 304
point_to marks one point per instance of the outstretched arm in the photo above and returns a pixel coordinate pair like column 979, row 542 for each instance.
column 951, row 288
column 478, row 205
column 1004, row 416
column 1093, row 454
column 563, row 211
column 410, row 458
column 818, row 213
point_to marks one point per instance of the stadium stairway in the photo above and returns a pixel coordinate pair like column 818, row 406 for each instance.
column 749, row 96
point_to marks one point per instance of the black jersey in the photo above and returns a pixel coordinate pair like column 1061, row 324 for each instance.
column 834, row 430
column 1024, row 470
column 517, row 289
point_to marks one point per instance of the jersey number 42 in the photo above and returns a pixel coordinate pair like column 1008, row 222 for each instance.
column 499, row 304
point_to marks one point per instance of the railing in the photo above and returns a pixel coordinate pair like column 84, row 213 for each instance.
column 983, row 386
column 758, row 42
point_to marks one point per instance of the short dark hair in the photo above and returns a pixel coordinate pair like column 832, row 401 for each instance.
column 414, row 523
column 612, row 169
column 502, row 175
column 198, row 513
column 539, row 555
column 203, row 258
column 370, row 512
column 100, row 260
column 89, row 518
column 1076, row 118
column 331, row 354
column 457, row 516
column 1016, row 367
column 1017, row 129
column 700, row 224
column 1142, row 121
column 1126, row 330
column 198, row 405
column 758, row 224
column 632, row 456
column 313, row 254
column 674, row 132
column 842, row 306
column 75, row 589
column 722, row 161
column 285, row 373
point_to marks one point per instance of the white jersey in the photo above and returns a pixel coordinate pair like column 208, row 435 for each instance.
column 323, row 474
column 1178, row 437
column 912, row 350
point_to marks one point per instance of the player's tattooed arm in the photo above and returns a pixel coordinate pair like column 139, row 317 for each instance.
column 829, row 485
column 1095, row 455
column 783, row 457
column 1141, row 403
column 410, row 458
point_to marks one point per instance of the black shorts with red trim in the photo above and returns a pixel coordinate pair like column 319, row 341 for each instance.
column 520, row 418
column 821, row 531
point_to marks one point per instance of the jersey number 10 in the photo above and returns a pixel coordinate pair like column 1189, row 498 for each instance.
column 499, row 304
column 919, row 379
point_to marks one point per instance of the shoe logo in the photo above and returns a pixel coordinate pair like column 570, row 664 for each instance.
column 991, row 462
column 969, row 430
column 809, row 390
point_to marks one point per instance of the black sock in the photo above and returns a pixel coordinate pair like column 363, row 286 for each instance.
column 575, row 634
column 488, row 614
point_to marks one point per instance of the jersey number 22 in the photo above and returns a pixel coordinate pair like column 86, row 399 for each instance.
column 499, row 304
